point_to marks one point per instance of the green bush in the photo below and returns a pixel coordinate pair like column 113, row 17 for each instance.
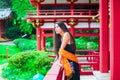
column 86, row 43
column 25, row 44
column 13, row 33
column 49, row 43
column 92, row 46
column 24, row 65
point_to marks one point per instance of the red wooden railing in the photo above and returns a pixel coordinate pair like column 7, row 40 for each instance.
column 62, row 12
column 55, row 73
column 92, row 60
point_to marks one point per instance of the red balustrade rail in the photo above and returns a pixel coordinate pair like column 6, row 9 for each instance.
column 62, row 12
column 55, row 73
column 92, row 60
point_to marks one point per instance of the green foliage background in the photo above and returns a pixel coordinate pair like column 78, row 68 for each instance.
column 5, row 4
column 25, row 44
column 19, row 8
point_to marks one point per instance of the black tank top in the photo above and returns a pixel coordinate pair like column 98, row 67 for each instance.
column 69, row 49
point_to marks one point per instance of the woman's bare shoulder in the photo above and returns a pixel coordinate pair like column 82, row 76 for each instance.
column 66, row 34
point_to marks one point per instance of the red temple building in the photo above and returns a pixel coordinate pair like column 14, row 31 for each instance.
column 5, row 14
column 83, row 15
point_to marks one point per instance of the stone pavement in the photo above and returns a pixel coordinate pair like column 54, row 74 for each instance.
column 7, row 42
column 97, row 76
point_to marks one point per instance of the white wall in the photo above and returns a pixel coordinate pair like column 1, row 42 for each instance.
column 80, row 25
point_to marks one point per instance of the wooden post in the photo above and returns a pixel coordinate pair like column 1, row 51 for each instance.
column 72, row 30
column 114, row 39
column 38, row 29
column 7, row 52
column 104, row 36
column 43, row 40
column 72, row 13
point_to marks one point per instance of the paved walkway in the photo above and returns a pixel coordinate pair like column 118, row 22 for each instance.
column 97, row 76
column 7, row 42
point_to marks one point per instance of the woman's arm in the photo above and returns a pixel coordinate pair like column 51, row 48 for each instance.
column 65, row 41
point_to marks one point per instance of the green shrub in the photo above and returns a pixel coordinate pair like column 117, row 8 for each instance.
column 49, row 43
column 13, row 33
column 25, row 44
column 24, row 65
column 92, row 46
column 81, row 43
column 86, row 43
column 33, row 37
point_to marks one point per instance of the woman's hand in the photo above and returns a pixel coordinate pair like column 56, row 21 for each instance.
column 59, row 63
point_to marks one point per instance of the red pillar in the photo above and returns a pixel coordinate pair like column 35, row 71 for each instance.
column 72, row 13
column 43, row 40
column 114, row 39
column 38, row 29
column 72, row 30
column 104, row 36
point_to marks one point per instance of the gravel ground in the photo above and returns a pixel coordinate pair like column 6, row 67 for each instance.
column 7, row 42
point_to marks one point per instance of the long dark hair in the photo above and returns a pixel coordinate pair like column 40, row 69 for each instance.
column 57, row 38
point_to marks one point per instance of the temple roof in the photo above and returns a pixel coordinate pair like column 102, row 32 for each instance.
column 5, row 14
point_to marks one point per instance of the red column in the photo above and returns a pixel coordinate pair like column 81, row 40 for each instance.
column 72, row 30
column 5, row 29
column 43, row 40
column 38, row 29
column 72, row 13
column 104, row 36
column 114, row 39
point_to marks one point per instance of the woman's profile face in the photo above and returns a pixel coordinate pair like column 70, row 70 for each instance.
column 58, row 30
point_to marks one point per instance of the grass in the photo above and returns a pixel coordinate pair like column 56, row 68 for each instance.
column 12, row 49
column 3, row 60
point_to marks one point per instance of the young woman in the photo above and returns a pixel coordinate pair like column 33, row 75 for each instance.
column 65, row 51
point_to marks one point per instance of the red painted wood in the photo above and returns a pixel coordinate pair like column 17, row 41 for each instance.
column 63, row 12
column 92, row 60
column 83, row 34
column 33, row 2
column 72, row 30
column 87, row 72
column 55, row 73
column 47, row 35
column 83, row 72
column 114, row 39
column 104, row 36
column 38, row 31
column 43, row 39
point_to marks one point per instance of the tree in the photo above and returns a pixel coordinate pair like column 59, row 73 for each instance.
column 5, row 3
column 19, row 8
